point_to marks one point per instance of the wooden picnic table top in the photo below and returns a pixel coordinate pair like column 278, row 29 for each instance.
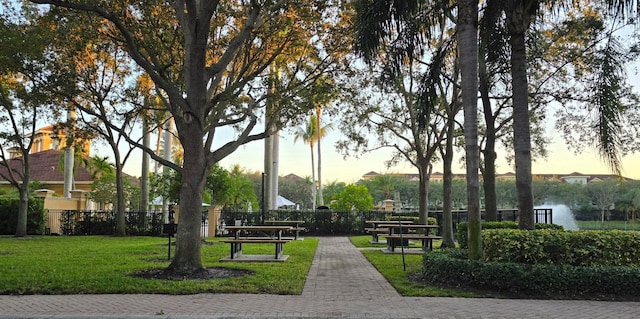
column 259, row 227
column 375, row 222
column 412, row 236
column 412, row 226
column 284, row 222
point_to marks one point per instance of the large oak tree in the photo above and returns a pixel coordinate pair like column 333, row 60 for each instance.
column 210, row 60
column 21, row 64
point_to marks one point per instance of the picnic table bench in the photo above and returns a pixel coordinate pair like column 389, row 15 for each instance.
column 400, row 234
column 375, row 234
column 426, row 240
column 236, row 245
column 269, row 234
column 376, row 230
column 295, row 224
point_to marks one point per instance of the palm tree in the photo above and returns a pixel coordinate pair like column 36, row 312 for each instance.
column 307, row 134
column 519, row 14
column 75, row 154
column 319, row 135
column 387, row 183
column 240, row 191
column 468, row 54
column 98, row 166
column 318, row 118
column 311, row 135
column 144, row 85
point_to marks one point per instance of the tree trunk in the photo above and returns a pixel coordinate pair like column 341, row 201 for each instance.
column 188, row 256
column 23, row 205
column 191, row 132
column 168, row 142
column 424, row 172
column 121, row 225
column 320, row 196
column 68, row 169
column 468, row 52
column 489, row 183
column 269, row 160
column 489, row 171
column 268, row 170
column 518, row 23
column 275, row 157
column 68, row 154
column 447, row 205
column 271, row 144
column 144, row 176
column 313, row 180
column 156, row 166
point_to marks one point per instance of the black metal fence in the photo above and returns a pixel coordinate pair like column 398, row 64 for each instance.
column 541, row 215
column 73, row 222
column 331, row 222
column 316, row 222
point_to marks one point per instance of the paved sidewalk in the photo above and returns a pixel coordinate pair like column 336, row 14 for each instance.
column 340, row 284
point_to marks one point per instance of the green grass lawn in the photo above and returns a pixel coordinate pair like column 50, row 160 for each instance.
column 392, row 267
column 608, row 225
column 104, row 265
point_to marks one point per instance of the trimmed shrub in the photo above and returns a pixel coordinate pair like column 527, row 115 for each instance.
column 450, row 267
column 36, row 216
column 578, row 248
column 462, row 229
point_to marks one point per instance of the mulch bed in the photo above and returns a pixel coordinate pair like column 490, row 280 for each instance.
column 203, row 274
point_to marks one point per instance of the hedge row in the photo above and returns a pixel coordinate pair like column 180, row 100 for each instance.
column 578, row 248
column 36, row 216
column 450, row 267
column 462, row 229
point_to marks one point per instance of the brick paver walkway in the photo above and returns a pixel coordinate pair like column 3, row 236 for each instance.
column 340, row 284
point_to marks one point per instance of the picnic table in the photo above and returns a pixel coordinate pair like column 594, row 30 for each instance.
column 376, row 230
column 399, row 235
column 296, row 224
column 258, row 234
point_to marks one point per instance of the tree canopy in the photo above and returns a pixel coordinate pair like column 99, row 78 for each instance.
column 209, row 62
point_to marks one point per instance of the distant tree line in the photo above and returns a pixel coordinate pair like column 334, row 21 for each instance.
column 598, row 200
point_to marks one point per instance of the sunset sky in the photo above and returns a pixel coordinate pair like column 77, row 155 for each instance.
column 295, row 158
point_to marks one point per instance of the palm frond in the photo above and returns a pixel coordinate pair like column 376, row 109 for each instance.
column 374, row 21
column 429, row 95
column 608, row 92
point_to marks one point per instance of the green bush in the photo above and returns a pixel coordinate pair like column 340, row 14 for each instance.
column 36, row 216
column 462, row 229
column 450, row 267
column 578, row 248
